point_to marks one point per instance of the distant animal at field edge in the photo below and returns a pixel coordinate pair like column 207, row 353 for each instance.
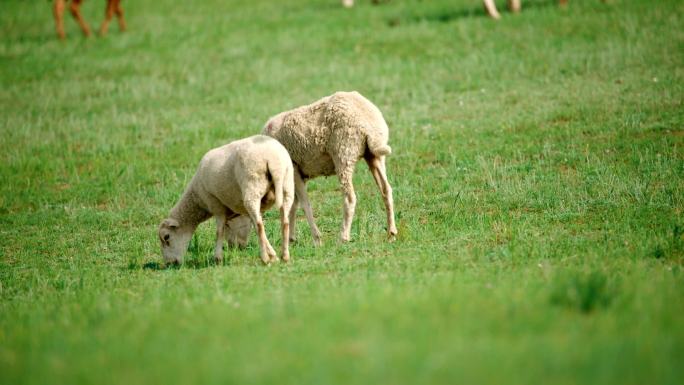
column 113, row 8
column 490, row 7
column 350, row 3
column 513, row 5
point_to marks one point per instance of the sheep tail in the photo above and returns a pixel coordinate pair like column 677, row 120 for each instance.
column 377, row 148
column 277, row 176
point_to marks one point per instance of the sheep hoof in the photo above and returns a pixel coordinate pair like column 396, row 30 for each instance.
column 266, row 261
column 218, row 260
column 286, row 258
column 174, row 263
column 237, row 244
column 317, row 242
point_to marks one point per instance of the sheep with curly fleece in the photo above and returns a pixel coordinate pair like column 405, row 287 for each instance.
column 244, row 177
column 328, row 137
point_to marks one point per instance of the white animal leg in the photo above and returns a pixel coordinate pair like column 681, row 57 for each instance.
column 218, row 249
column 293, row 220
column 285, row 212
column 237, row 231
column 491, row 9
column 345, row 171
column 267, row 253
column 303, row 198
column 377, row 168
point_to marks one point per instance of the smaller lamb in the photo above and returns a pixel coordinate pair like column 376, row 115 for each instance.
column 246, row 176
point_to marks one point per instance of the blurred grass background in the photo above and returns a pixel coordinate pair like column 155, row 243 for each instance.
column 537, row 171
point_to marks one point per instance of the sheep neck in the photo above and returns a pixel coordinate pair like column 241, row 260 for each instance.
column 188, row 211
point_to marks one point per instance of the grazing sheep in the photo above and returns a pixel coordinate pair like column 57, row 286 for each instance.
column 350, row 3
column 513, row 5
column 490, row 7
column 243, row 177
column 328, row 137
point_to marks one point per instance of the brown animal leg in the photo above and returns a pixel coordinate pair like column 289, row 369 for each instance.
column 119, row 15
column 109, row 13
column 74, row 7
column 514, row 5
column 58, row 10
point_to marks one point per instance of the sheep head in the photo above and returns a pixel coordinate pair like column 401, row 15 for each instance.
column 174, row 240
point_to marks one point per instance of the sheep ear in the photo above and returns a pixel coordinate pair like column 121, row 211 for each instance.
column 171, row 223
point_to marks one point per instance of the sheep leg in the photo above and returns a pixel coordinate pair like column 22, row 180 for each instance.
column 237, row 231
column 490, row 7
column 293, row 220
column 253, row 209
column 285, row 211
column 345, row 172
column 75, row 8
column 514, row 5
column 58, row 10
column 303, row 197
column 218, row 249
column 109, row 13
column 377, row 168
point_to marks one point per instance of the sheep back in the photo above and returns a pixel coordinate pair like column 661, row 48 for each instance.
column 341, row 125
column 227, row 173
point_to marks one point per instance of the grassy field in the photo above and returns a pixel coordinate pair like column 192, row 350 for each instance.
column 538, row 172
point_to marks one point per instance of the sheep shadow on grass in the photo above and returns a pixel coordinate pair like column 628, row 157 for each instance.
column 201, row 257
column 190, row 263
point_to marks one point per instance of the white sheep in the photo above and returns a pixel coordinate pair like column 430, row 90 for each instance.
column 490, row 6
column 328, row 137
column 246, row 176
column 350, row 3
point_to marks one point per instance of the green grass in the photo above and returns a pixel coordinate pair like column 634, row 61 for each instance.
column 538, row 171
